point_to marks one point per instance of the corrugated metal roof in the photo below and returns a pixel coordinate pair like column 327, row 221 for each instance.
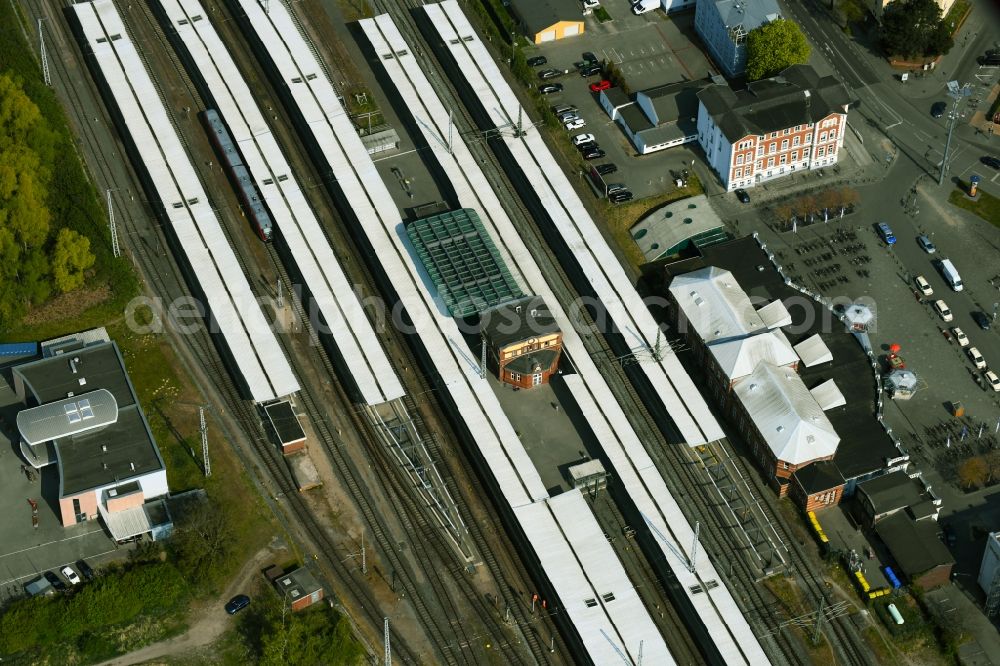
column 715, row 305
column 787, row 415
column 18, row 349
column 66, row 417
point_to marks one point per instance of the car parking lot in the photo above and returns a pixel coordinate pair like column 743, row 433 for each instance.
column 649, row 50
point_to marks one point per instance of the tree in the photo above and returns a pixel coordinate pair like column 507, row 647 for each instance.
column 973, row 472
column 70, row 259
column 774, row 46
column 913, row 28
column 202, row 540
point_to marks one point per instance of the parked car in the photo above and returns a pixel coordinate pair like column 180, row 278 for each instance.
column 885, row 232
column 976, row 358
column 598, row 86
column 616, row 187
column 990, row 161
column 949, row 534
column 590, row 70
column 561, row 108
column 55, row 581
column 743, row 196
column 992, row 380
column 982, row 320
column 537, row 61
column 591, row 4
column 942, row 309
column 620, row 197
column 589, row 56
column 583, row 138
column 550, row 88
column 960, row 337
column 938, row 109
column 643, row 6
column 567, row 116
column 575, row 124
column 85, row 570
column 549, row 74
column 585, row 147
column 70, row 575
column 237, row 603
column 594, row 154
column 608, row 168
column 923, row 285
column 925, row 244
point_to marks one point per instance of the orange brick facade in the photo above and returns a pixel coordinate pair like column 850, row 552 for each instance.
column 781, row 153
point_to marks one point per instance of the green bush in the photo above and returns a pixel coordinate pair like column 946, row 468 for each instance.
column 116, row 597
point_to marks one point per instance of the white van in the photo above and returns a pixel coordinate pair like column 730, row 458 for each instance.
column 950, row 275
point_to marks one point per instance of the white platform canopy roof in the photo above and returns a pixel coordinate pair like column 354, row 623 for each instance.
column 828, row 395
column 787, row 415
column 813, row 351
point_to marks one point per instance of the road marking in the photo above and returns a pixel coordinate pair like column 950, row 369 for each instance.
column 49, row 543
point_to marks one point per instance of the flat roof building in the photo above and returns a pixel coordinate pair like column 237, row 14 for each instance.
column 916, row 548
column 674, row 228
column 82, row 415
column 724, row 25
column 658, row 117
column 299, row 588
column 288, row 430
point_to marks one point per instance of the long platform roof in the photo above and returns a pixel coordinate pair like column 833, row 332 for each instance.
column 341, row 309
column 467, row 178
column 671, row 383
column 232, row 304
column 624, row 449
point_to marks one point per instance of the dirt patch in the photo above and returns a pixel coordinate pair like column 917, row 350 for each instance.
column 68, row 306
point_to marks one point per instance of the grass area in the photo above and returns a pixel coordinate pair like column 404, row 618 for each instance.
column 73, row 201
column 602, row 15
column 957, row 14
column 985, row 206
column 790, row 598
column 620, row 218
column 131, row 606
column 881, row 648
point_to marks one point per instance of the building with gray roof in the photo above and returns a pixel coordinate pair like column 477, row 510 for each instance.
column 795, row 121
column 82, row 414
column 675, row 227
column 724, row 25
column 657, row 118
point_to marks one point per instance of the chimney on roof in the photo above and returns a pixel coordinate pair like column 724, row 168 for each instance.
column 104, row 448
column 131, row 466
column 72, row 365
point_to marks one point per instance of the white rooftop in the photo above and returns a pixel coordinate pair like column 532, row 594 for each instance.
column 68, row 416
column 787, row 415
column 775, row 314
column 739, row 356
column 828, row 395
column 813, row 351
column 715, row 305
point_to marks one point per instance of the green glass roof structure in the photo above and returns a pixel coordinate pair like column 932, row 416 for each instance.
column 462, row 261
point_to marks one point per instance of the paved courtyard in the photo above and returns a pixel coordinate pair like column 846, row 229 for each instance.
column 27, row 551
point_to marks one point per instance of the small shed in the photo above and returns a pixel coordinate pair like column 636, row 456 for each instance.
column 300, row 588
column 916, row 548
column 901, row 384
column 39, row 587
column 286, row 426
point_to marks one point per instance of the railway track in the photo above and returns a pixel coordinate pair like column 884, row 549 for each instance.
column 754, row 601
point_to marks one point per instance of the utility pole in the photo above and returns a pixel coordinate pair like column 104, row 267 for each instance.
column 482, row 358
column 204, row 441
column 364, row 557
column 957, row 94
column 45, row 57
column 388, row 648
column 819, row 619
column 115, row 250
